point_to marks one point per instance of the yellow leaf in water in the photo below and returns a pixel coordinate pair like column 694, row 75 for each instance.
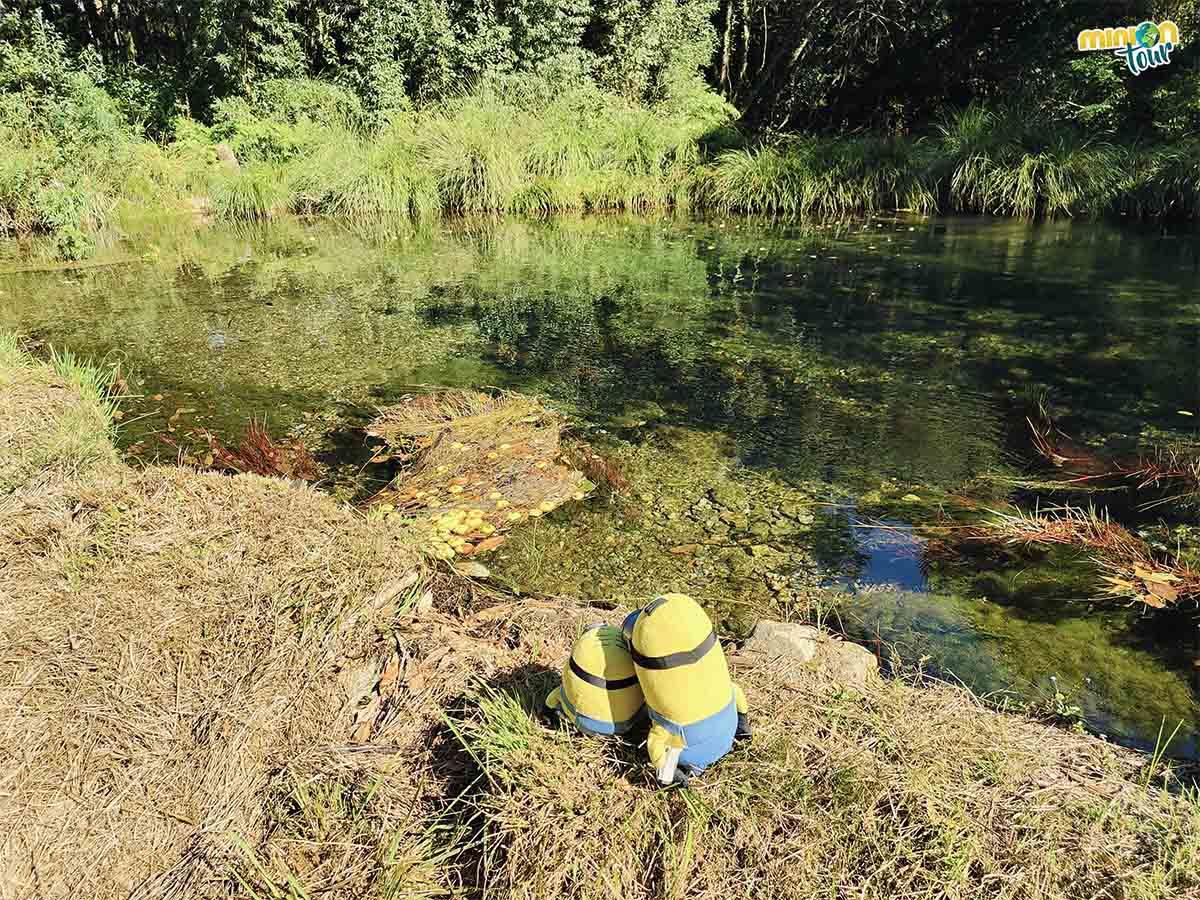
column 490, row 544
column 505, row 446
column 911, row 498
column 493, row 456
column 578, row 495
column 156, row 397
column 535, row 514
column 457, row 445
column 487, row 528
column 1163, row 592
column 542, row 464
column 118, row 415
column 1186, row 412
column 456, row 489
column 1163, row 578
column 500, row 504
column 208, row 459
column 514, row 516
column 495, row 495
column 546, row 506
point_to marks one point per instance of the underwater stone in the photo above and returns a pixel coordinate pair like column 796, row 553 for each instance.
column 727, row 496
column 734, row 520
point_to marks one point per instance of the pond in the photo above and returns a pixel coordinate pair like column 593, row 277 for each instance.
column 770, row 391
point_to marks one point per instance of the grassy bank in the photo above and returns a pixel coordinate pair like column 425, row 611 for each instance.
column 228, row 687
column 531, row 153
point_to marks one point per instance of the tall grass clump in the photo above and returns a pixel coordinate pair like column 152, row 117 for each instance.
column 823, row 177
column 251, row 194
column 1165, row 183
column 473, row 153
column 1001, row 163
column 378, row 182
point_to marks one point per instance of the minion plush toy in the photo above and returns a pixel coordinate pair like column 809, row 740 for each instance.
column 599, row 693
column 695, row 709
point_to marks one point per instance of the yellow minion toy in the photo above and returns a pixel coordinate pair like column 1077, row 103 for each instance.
column 695, row 709
column 599, row 693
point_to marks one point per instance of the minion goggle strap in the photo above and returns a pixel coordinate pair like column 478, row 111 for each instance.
column 674, row 660
column 602, row 683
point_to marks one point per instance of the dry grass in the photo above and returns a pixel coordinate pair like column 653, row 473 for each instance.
column 169, row 642
column 887, row 792
column 1172, row 468
column 224, row 687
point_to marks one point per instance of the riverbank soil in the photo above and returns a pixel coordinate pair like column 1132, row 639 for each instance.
column 216, row 686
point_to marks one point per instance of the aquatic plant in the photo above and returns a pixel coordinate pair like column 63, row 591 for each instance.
column 1172, row 468
column 258, row 454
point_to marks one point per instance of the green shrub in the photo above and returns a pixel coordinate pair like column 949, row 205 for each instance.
column 256, row 139
column 47, row 91
column 292, row 101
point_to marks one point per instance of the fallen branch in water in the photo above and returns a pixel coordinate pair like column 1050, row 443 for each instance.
column 1132, row 570
column 71, row 266
column 1163, row 468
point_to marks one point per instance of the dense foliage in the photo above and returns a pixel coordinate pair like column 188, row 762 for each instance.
column 895, row 63
column 783, row 63
column 412, row 107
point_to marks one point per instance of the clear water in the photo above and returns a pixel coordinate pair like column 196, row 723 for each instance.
column 898, row 354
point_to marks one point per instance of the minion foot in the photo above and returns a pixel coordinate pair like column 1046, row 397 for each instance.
column 744, row 732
